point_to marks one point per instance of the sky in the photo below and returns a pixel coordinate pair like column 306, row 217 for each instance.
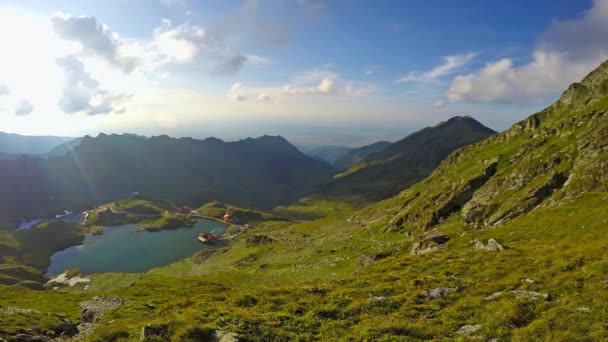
column 337, row 72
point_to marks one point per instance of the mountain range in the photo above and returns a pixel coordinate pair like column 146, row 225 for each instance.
column 505, row 240
column 261, row 172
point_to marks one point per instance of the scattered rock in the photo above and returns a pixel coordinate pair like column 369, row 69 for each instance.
column 14, row 310
column 469, row 329
column 441, row 292
column 490, row 245
column 154, row 332
column 150, row 306
column 225, row 336
column 93, row 310
column 420, row 248
column 583, row 309
column 529, row 281
column 438, row 238
column 430, row 243
column 530, row 295
column 258, row 240
column 66, row 328
column 84, row 329
column 377, row 299
column 494, row 295
column 367, row 259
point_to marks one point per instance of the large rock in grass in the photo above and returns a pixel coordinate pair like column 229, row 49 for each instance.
column 93, row 310
column 490, row 245
column 441, row 292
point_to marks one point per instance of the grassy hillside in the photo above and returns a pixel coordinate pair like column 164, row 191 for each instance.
column 330, row 279
column 25, row 254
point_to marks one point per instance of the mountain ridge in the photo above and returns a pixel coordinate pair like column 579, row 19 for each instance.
column 265, row 171
column 382, row 174
column 543, row 160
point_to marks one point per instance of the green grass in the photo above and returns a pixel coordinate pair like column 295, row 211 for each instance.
column 313, row 287
column 319, row 207
column 39, row 242
column 217, row 210
column 167, row 221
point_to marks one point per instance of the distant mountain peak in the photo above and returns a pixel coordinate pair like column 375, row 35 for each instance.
column 458, row 119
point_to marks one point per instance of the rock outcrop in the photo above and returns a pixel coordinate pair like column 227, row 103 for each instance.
column 429, row 244
column 441, row 292
column 93, row 310
column 490, row 245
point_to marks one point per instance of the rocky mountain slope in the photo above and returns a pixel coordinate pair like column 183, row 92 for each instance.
column 545, row 160
column 405, row 162
column 260, row 172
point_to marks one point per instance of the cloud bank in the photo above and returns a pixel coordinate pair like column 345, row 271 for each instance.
column 565, row 52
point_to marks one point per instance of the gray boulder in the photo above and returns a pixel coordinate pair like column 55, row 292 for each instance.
column 93, row 310
column 441, row 292
column 469, row 329
column 225, row 336
column 66, row 328
column 490, row 245
column 420, row 248
column 530, row 295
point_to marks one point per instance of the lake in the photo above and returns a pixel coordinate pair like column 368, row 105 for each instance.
column 124, row 249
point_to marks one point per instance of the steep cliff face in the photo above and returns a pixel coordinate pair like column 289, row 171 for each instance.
column 544, row 160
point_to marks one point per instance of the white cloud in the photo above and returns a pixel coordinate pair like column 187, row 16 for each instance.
column 326, row 86
column 565, row 53
column 195, row 45
column 315, row 82
column 24, row 107
column 82, row 94
column 4, row 90
column 95, row 38
column 450, row 65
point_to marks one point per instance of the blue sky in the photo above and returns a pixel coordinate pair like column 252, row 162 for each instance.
column 315, row 71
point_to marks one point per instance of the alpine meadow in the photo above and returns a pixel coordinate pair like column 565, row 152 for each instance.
column 306, row 170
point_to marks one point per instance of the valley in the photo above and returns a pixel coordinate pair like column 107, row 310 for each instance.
column 453, row 233
column 303, row 170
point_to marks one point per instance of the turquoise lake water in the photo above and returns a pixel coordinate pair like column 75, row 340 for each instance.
column 124, row 249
